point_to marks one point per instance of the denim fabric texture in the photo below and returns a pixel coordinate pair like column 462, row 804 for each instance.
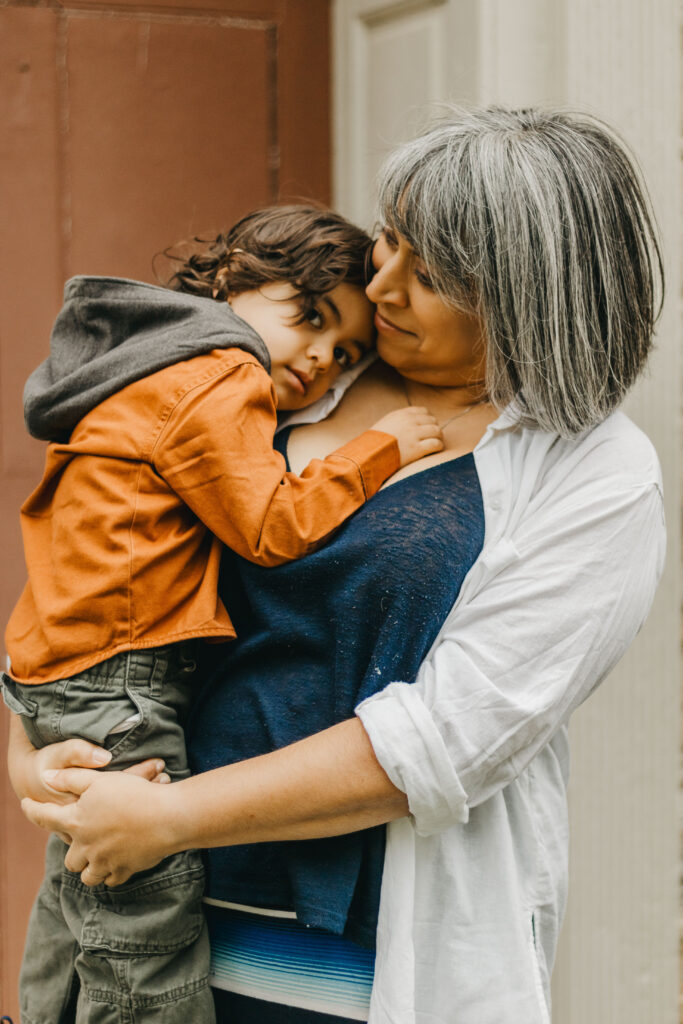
column 137, row 952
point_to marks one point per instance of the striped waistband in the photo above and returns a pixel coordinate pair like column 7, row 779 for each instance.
column 269, row 955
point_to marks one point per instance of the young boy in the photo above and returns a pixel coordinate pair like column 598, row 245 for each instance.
column 160, row 407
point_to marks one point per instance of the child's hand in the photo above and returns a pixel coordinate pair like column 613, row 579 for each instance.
column 26, row 764
column 416, row 431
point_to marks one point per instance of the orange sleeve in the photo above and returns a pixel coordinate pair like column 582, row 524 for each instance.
column 216, row 452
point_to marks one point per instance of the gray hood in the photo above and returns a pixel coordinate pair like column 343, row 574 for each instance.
column 111, row 332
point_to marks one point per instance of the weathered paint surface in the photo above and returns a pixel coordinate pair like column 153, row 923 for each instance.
column 124, row 129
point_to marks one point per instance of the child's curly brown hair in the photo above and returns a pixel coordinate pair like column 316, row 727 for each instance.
column 311, row 248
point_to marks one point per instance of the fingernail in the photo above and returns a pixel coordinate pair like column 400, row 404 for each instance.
column 50, row 774
column 164, row 778
column 101, row 756
column 159, row 766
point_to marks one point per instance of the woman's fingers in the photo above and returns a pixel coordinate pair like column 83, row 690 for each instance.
column 77, row 862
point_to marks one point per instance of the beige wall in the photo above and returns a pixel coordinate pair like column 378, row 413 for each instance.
column 124, row 130
column 617, row 962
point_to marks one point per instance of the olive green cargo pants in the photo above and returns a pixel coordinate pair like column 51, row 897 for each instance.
column 137, row 952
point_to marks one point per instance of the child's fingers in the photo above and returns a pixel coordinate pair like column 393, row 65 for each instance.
column 429, row 429
column 429, row 445
column 151, row 770
column 74, row 754
column 69, row 780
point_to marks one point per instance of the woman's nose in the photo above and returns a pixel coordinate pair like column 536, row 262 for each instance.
column 388, row 284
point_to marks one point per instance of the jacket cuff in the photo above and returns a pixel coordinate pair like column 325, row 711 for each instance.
column 376, row 455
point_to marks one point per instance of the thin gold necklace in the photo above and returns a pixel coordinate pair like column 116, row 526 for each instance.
column 456, row 415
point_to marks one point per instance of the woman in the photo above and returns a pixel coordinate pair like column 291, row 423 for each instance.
column 516, row 282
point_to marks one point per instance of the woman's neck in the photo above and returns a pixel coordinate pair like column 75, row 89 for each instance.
column 444, row 402
column 378, row 391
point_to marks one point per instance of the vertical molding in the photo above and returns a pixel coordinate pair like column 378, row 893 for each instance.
column 63, row 122
column 618, row 955
column 272, row 114
column 392, row 61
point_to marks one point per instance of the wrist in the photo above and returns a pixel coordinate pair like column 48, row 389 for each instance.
column 179, row 822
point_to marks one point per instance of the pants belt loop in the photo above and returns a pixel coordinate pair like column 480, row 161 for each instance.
column 159, row 669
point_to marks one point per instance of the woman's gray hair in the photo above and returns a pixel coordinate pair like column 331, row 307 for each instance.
column 536, row 220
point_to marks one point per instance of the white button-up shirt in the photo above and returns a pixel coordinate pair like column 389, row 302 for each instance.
column 474, row 881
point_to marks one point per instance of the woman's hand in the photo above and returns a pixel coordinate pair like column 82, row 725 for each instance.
column 118, row 824
column 325, row 785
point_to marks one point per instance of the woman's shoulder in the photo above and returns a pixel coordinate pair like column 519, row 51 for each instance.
column 618, row 451
column 615, row 452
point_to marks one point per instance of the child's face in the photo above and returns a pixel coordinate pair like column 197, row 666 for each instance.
column 307, row 358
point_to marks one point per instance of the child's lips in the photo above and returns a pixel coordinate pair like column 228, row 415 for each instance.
column 301, row 379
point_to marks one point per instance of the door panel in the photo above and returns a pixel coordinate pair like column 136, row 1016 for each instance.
column 170, row 134
column 392, row 62
column 123, row 129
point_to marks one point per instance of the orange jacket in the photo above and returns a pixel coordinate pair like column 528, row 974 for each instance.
column 123, row 535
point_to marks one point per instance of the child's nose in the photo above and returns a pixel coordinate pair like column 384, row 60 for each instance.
column 322, row 356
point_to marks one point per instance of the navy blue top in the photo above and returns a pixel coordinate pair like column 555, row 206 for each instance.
column 315, row 637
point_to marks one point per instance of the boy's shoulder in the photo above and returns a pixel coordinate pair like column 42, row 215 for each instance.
column 186, row 374
column 138, row 410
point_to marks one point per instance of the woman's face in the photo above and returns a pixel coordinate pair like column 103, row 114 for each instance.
column 417, row 333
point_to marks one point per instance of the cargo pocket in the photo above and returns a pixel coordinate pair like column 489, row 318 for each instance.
column 155, row 913
column 19, row 703
column 90, row 707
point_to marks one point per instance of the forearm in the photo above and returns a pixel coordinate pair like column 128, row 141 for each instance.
column 19, row 763
column 328, row 784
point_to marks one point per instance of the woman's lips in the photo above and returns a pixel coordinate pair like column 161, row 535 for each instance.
column 385, row 326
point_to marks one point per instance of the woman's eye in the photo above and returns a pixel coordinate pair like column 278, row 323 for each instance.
column 390, row 238
column 314, row 317
column 342, row 357
column 424, row 278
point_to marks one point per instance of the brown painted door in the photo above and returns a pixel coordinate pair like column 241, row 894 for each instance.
column 123, row 129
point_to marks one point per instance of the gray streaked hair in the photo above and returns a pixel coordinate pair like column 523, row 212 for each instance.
column 537, row 221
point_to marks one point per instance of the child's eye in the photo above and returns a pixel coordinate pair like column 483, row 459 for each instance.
column 314, row 317
column 342, row 356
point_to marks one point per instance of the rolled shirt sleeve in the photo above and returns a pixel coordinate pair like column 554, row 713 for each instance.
column 548, row 610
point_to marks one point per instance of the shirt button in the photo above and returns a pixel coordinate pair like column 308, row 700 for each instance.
column 495, row 504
